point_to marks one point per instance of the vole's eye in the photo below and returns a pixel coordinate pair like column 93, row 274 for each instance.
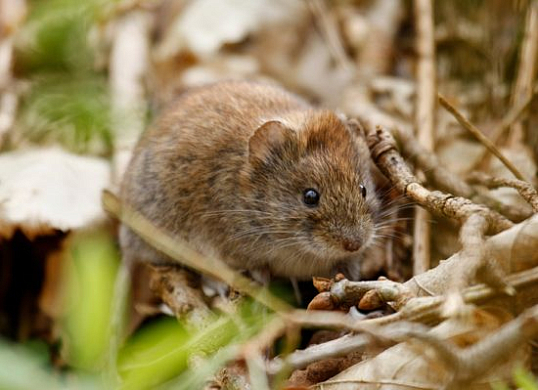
column 363, row 190
column 311, row 197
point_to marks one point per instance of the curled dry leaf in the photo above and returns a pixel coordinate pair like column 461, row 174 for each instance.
column 414, row 364
column 514, row 250
column 48, row 189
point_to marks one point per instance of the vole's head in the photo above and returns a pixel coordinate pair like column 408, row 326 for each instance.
column 310, row 185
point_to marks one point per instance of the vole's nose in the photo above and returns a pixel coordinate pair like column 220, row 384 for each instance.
column 352, row 245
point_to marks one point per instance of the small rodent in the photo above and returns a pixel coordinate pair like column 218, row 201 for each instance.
column 257, row 177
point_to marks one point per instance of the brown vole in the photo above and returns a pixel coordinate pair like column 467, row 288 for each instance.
column 257, row 177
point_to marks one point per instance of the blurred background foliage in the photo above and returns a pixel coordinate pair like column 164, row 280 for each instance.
column 65, row 98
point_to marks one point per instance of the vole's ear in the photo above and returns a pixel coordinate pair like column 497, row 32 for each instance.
column 358, row 134
column 355, row 127
column 268, row 138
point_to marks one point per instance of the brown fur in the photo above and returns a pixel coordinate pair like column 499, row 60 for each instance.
column 225, row 169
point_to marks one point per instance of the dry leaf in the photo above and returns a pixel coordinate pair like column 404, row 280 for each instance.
column 49, row 189
column 205, row 26
column 413, row 365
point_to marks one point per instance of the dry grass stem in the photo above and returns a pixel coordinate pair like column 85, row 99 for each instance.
column 117, row 325
column 481, row 137
column 508, row 120
column 426, row 78
column 472, row 237
column 421, row 241
column 424, row 121
column 272, row 331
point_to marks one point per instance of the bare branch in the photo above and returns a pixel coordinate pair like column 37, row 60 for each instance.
column 526, row 191
column 508, row 120
column 481, row 137
column 383, row 150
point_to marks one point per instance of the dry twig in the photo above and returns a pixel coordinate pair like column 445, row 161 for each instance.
column 423, row 310
column 383, row 150
column 481, row 137
column 526, row 190
column 508, row 120
column 334, row 348
column 435, row 172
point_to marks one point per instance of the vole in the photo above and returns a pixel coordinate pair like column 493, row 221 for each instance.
column 258, row 177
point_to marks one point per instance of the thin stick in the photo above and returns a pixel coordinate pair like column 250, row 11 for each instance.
column 390, row 162
column 424, row 122
column 526, row 191
column 508, row 120
column 481, row 137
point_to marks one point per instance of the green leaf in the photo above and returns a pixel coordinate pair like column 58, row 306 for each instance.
column 524, row 379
